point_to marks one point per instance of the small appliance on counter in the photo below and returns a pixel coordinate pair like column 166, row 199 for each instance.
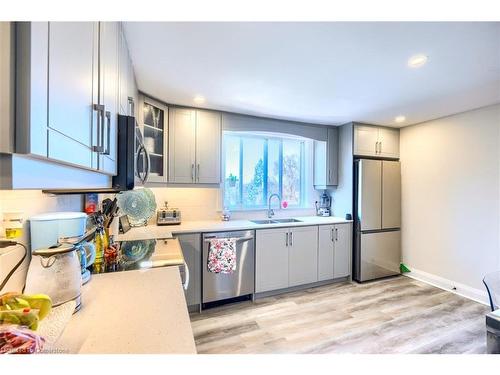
column 58, row 244
column 168, row 216
column 324, row 206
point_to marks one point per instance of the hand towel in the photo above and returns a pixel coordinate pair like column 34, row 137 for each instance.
column 222, row 255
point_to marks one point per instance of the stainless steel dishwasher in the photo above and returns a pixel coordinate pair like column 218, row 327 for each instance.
column 221, row 286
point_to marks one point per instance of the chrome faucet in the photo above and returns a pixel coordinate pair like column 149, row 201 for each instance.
column 270, row 211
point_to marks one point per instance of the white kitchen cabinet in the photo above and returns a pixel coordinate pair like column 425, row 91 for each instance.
column 72, row 91
column 191, row 250
column 194, row 146
column 303, row 255
column 334, row 251
column 326, row 160
column 108, row 93
column 376, row 141
column 271, row 259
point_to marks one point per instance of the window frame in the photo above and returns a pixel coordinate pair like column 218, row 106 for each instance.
column 265, row 137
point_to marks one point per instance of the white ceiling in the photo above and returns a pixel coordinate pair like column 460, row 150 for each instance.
column 327, row 73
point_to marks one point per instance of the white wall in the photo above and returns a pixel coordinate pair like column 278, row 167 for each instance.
column 450, row 199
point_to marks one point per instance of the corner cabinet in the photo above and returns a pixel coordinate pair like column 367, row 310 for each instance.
column 334, row 251
column 153, row 118
column 194, row 146
column 376, row 141
column 326, row 160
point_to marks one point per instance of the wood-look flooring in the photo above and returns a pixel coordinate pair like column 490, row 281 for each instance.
column 397, row 315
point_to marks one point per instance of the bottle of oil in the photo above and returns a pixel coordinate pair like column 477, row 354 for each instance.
column 101, row 244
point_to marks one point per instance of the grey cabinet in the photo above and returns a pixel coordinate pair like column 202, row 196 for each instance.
column 128, row 96
column 271, row 259
column 191, row 250
column 194, row 146
column 108, row 93
column 153, row 117
column 326, row 160
column 67, row 92
column 303, row 255
column 376, row 141
column 334, row 251
column 7, row 92
column 285, row 257
column 73, row 129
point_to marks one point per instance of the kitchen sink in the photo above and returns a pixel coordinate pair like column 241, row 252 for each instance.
column 264, row 221
column 275, row 221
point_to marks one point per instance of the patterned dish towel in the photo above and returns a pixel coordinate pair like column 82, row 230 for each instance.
column 222, row 255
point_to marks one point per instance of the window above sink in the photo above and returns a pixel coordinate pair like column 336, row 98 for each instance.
column 257, row 165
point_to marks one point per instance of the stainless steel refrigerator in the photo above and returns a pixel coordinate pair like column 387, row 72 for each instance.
column 377, row 219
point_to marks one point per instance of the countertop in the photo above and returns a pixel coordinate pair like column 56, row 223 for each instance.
column 131, row 312
column 167, row 231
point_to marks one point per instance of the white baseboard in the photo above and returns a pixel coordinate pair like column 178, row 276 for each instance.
column 463, row 290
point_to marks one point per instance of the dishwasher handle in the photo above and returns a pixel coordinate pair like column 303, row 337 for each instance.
column 240, row 239
column 186, row 277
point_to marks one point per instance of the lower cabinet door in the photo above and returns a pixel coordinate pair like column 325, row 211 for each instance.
column 325, row 252
column 303, row 255
column 191, row 250
column 342, row 250
column 271, row 259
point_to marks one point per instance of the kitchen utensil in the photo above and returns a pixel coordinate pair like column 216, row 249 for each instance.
column 139, row 205
column 56, row 271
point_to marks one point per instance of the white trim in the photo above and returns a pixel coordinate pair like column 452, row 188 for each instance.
column 463, row 290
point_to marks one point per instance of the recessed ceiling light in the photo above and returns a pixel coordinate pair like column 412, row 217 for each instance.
column 417, row 61
column 400, row 119
column 198, row 99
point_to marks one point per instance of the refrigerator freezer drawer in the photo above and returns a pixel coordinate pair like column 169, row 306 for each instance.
column 380, row 255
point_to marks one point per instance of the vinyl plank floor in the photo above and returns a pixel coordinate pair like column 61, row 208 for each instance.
column 396, row 315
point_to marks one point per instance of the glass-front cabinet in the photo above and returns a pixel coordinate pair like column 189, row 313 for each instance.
column 153, row 124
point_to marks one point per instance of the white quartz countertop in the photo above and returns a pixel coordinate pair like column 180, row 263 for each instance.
column 166, row 231
column 131, row 312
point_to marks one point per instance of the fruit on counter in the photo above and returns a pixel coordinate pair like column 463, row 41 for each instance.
column 17, row 301
column 26, row 317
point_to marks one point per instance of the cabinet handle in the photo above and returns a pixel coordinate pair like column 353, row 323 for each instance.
column 198, row 172
column 291, row 238
column 192, row 172
column 100, row 128
column 336, row 234
column 108, row 134
column 331, row 235
column 380, row 147
column 286, row 239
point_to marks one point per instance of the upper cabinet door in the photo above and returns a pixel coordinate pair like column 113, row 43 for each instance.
column 208, row 145
column 365, row 140
column 182, row 160
column 108, row 94
column 153, row 123
column 72, row 88
column 333, row 156
column 326, row 160
column 389, row 142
